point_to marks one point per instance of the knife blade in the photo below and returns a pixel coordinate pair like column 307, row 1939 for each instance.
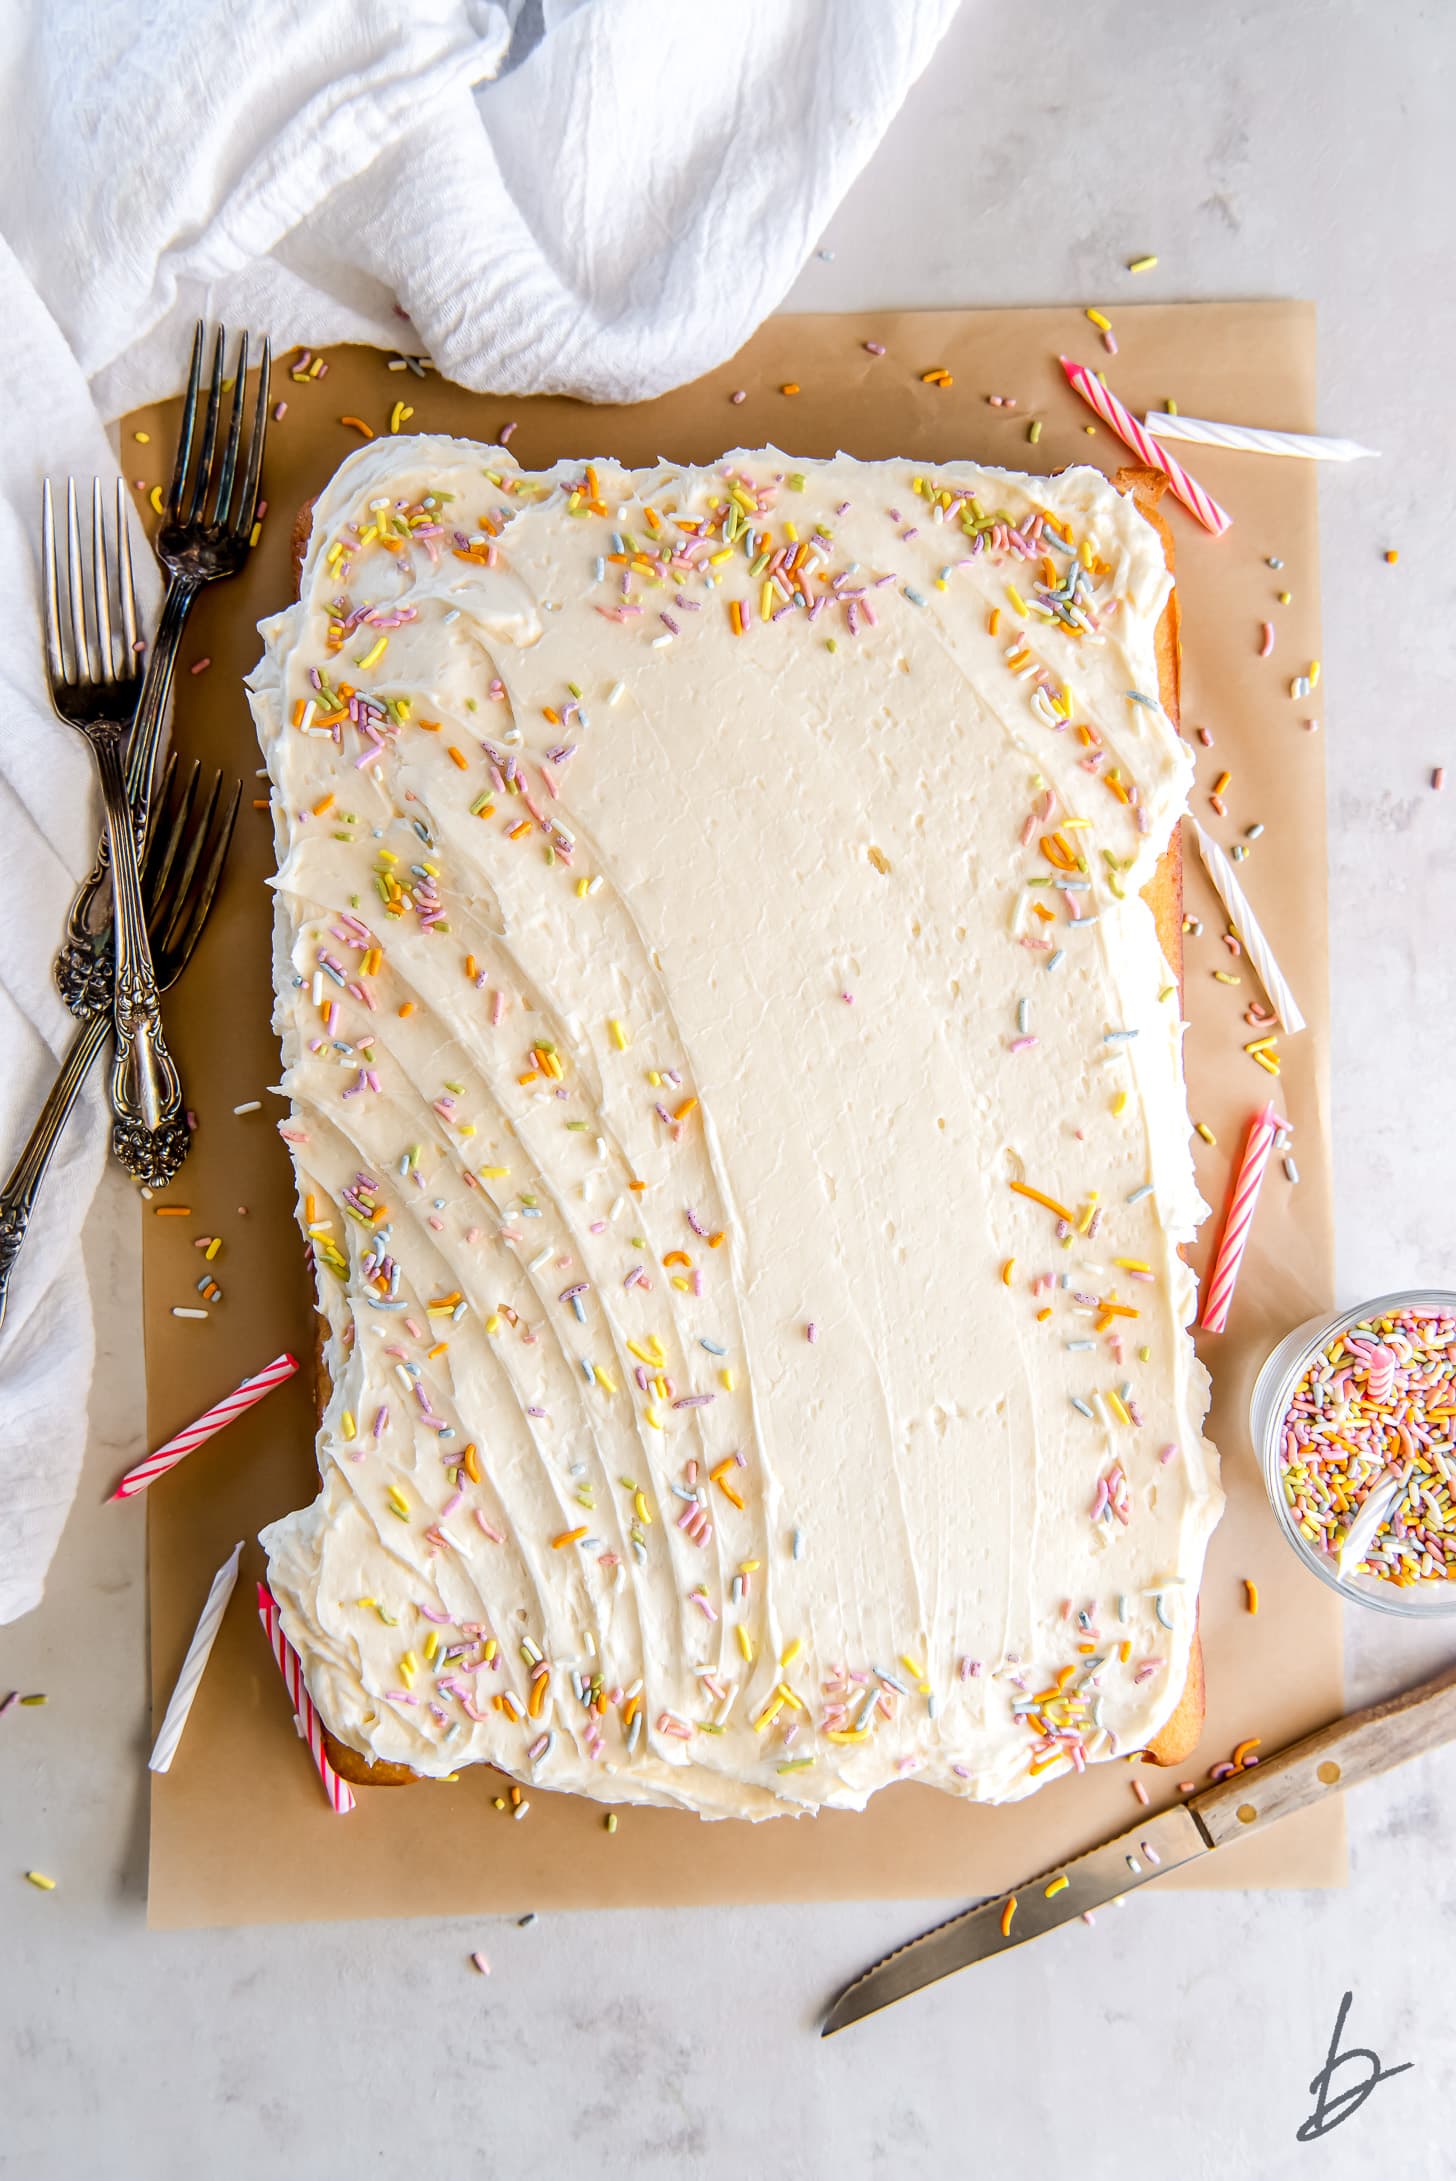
column 1357, row 1747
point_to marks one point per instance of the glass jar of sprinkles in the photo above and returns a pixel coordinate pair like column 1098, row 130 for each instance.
column 1354, row 1420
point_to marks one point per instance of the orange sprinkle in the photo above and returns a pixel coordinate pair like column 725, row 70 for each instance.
column 1050, row 1203
column 1251, row 1595
column 685, row 1109
column 791, row 388
column 1008, row 1271
column 569, row 1537
column 470, row 1463
column 470, row 965
column 537, row 1696
column 993, row 620
column 517, row 830
column 457, row 757
column 406, row 1007
column 1006, row 1915
column 716, row 1241
column 359, row 425
column 678, row 1257
column 736, row 616
column 173, row 1211
column 1243, row 1750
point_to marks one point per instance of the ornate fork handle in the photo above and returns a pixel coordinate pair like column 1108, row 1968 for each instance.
column 83, row 965
column 145, row 1087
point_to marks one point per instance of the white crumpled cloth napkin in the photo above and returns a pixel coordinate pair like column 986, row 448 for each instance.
column 608, row 216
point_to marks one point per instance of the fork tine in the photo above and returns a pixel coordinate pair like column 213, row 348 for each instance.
column 50, row 578
column 191, row 835
column 101, row 586
column 164, row 833
column 180, row 946
column 248, row 500
column 209, row 432
column 235, row 427
column 189, row 419
column 76, row 574
column 131, row 664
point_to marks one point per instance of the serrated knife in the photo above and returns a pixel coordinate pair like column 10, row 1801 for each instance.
column 1355, row 1748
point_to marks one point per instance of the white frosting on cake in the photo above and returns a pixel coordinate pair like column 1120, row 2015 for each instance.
column 712, row 1422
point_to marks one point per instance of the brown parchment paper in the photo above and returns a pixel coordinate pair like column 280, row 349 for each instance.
column 240, row 1831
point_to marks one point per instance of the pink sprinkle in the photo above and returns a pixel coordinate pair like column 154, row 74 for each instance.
column 1438, row 778
column 494, row 1535
column 1266, row 642
column 505, row 434
column 1109, row 342
column 1139, row 1790
column 811, row 1331
column 201, row 666
column 451, row 1504
column 481, row 1964
column 848, row 998
column 1165, row 1454
column 1021, row 1044
column 1204, row 737
column 280, row 412
column 740, row 396
column 874, row 348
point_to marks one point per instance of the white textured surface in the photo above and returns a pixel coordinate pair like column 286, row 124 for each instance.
column 1280, row 149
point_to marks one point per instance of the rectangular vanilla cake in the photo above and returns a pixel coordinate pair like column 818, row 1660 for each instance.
column 736, row 1096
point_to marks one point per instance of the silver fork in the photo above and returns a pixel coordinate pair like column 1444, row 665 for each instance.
column 205, row 535
column 96, row 693
column 186, row 850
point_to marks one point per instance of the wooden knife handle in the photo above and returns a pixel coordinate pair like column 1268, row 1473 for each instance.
column 1354, row 1748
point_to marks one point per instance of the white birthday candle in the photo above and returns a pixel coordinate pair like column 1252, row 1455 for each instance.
column 198, row 1652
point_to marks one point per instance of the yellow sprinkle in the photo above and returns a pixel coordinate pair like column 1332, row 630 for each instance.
column 914, row 1670
column 769, row 1713
column 397, row 1500
column 39, row 1878
column 1103, row 325
column 375, row 652
column 432, row 1643
column 1017, row 601
column 611, row 1821
column 494, row 1173
column 1201, row 1128
column 212, row 1249
column 791, row 1651
column 641, row 1508
column 726, row 1381
column 604, row 1379
column 1141, row 264
column 350, row 1427
column 745, row 1642
column 1131, row 1264
column 1119, row 1104
column 1058, row 1885
column 619, row 1035
column 154, row 500
column 846, row 1734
